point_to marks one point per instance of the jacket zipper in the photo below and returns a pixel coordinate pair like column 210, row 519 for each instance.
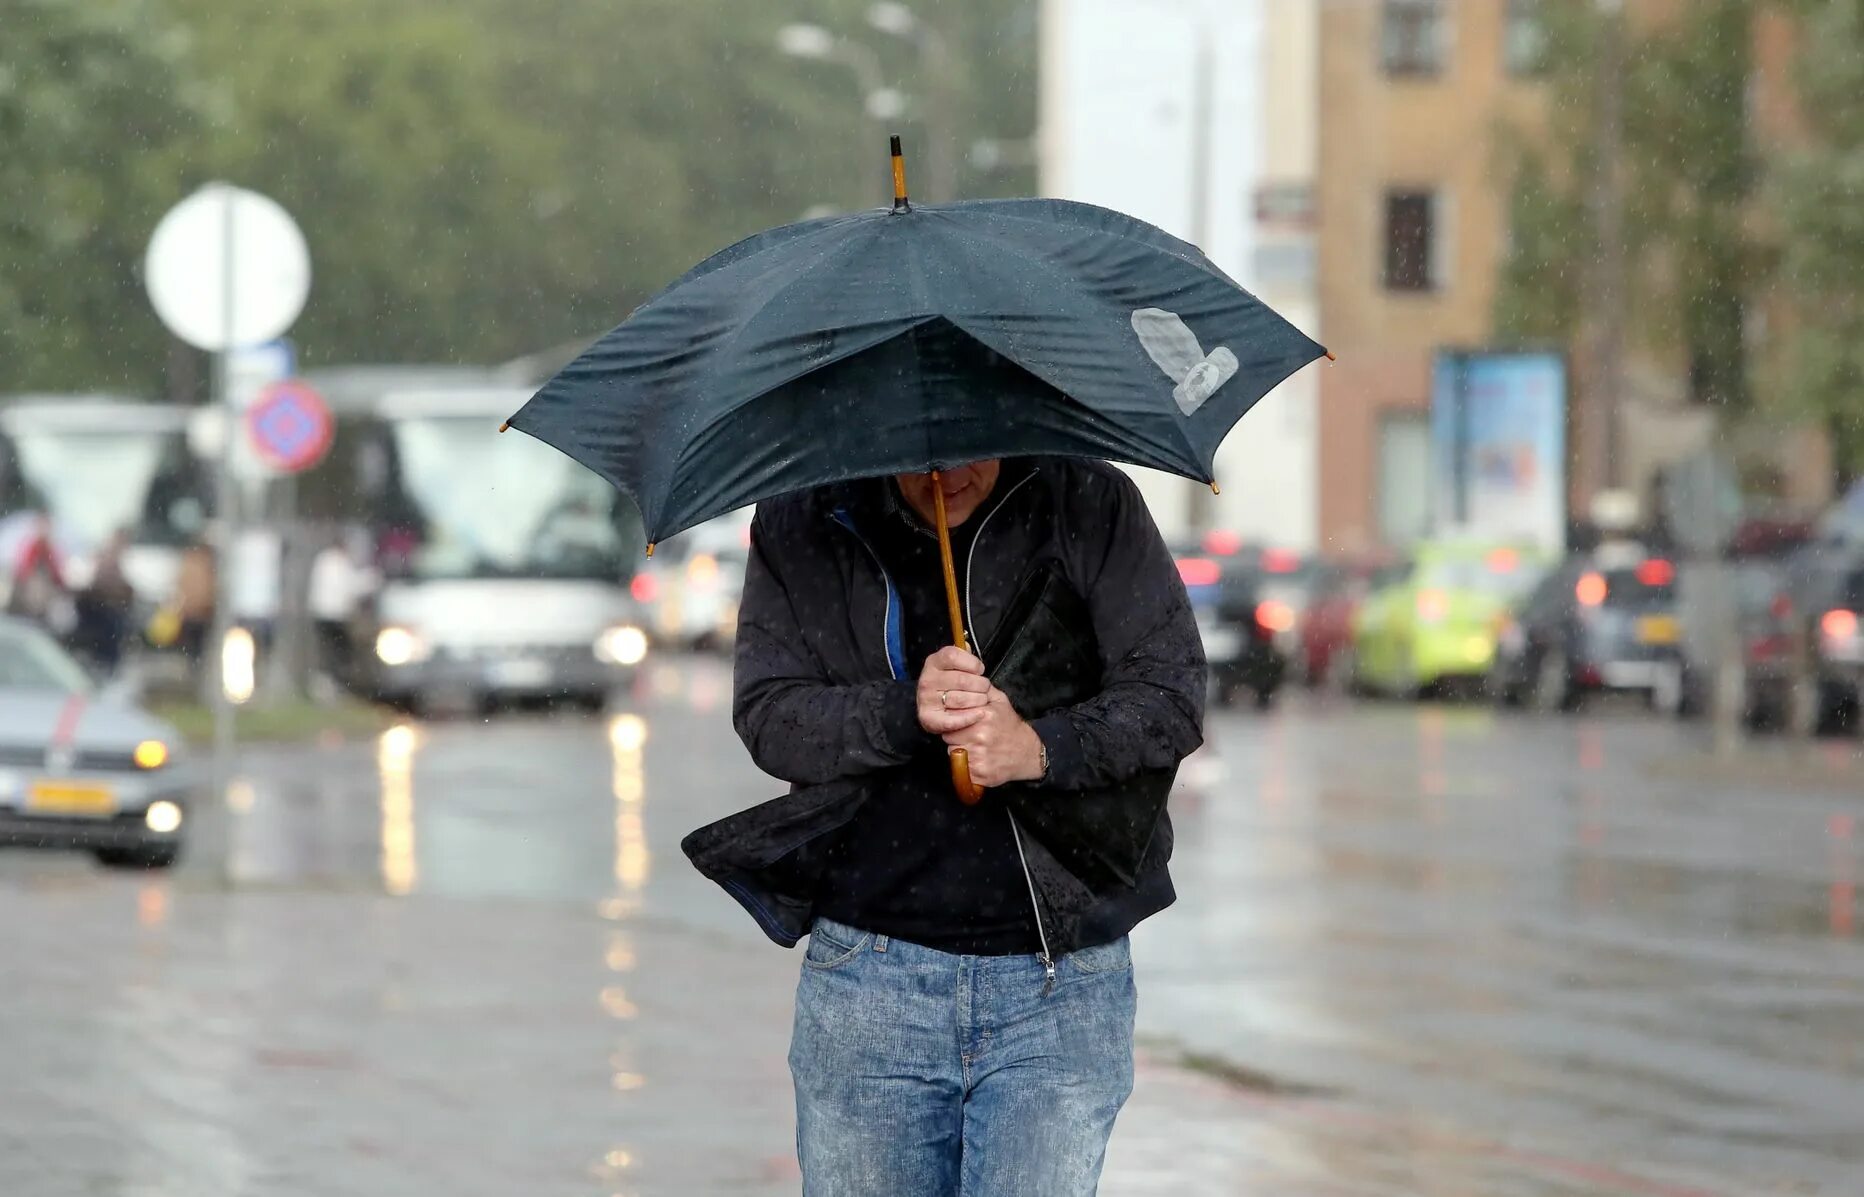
column 970, row 618
column 1048, row 959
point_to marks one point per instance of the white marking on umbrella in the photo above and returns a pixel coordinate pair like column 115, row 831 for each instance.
column 1170, row 343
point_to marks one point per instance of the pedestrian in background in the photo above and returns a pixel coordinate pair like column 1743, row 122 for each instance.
column 195, row 599
column 332, row 603
column 951, row 1035
column 104, row 608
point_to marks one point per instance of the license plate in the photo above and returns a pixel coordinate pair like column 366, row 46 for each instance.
column 519, row 673
column 1220, row 643
column 1658, row 629
column 70, row 798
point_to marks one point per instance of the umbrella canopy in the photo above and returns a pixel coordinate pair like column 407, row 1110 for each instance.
column 915, row 339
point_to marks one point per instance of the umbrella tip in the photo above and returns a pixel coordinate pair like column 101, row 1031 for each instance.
column 900, row 202
column 1330, row 356
column 650, row 548
column 1215, row 489
column 504, row 425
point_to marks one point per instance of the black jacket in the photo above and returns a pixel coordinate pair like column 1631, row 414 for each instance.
column 1084, row 624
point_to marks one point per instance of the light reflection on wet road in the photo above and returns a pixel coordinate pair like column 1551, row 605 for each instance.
column 1417, row 951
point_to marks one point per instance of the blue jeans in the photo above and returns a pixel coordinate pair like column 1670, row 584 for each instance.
column 923, row 1074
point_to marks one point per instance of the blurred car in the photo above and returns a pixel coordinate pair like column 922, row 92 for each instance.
column 1433, row 620
column 1200, row 571
column 1838, row 650
column 691, row 586
column 80, row 769
column 1606, row 620
column 1245, row 632
column 1246, row 599
column 1776, row 675
column 1326, row 626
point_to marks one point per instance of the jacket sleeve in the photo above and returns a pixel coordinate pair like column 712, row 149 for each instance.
column 1149, row 713
column 798, row 726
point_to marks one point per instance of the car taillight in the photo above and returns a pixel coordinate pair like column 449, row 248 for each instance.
column 1198, row 571
column 1432, row 605
column 1280, row 561
column 1274, row 616
column 1590, row 590
column 645, row 588
column 1656, row 572
column 1221, row 543
column 1839, row 624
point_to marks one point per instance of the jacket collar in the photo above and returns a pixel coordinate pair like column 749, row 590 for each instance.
column 874, row 503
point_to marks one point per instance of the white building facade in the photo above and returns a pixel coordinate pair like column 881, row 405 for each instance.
column 1199, row 116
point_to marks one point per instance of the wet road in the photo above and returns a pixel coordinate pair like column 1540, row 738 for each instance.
column 1417, row 951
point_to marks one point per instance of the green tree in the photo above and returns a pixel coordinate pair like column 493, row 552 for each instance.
column 1690, row 175
column 95, row 106
column 475, row 180
column 380, row 126
column 1819, row 192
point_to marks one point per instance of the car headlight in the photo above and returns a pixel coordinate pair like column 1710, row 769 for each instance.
column 624, row 645
column 150, row 754
column 399, row 646
column 163, row 818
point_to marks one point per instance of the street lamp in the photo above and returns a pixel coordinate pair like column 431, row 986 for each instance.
column 805, row 41
column 889, row 16
column 813, row 43
column 816, row 44
column 935, row 67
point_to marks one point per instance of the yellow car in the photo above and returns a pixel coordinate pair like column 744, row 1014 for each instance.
column 1433, row 620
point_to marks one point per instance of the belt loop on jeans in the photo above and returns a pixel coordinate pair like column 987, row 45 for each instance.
column 880, row 943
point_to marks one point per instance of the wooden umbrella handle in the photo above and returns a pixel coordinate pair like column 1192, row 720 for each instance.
column 969, row 792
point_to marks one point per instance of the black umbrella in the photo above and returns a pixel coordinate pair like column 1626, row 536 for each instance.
column 912, row 340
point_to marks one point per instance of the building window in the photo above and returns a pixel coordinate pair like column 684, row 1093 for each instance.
column 1524, row 38
column 1414, row 37
column 1410, row 240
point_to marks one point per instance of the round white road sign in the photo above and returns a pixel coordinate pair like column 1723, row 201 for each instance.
column 194, row 293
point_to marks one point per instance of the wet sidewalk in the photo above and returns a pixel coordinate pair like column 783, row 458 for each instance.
column 179, row 1041
column 1418, row 952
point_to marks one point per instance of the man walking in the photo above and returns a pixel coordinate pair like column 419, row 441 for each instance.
column 965, row 1013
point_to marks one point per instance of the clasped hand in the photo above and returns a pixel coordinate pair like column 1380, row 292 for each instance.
column 958, row 704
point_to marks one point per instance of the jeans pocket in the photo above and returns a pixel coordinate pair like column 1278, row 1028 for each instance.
column 826, row 951
column 1115, row 957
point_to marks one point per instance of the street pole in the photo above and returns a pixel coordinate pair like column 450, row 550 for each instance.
column 1607, row 390
column 939, row 87
column 941, row 118
column 226, row 498
column 879, row 103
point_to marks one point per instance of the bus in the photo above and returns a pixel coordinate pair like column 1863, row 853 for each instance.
column 98, row 465
column 504, row 566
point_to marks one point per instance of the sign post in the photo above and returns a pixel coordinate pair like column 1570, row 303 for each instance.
column 1702, row 504
column 227, row 269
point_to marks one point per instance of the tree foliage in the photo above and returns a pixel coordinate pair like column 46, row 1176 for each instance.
column 475, row 180
column 95, row 111
column 1818, row 190
column 1690, row 175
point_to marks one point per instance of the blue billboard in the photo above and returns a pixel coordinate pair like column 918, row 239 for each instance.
column 1498, row 447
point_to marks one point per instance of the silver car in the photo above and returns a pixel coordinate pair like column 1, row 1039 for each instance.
column 80, row 769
